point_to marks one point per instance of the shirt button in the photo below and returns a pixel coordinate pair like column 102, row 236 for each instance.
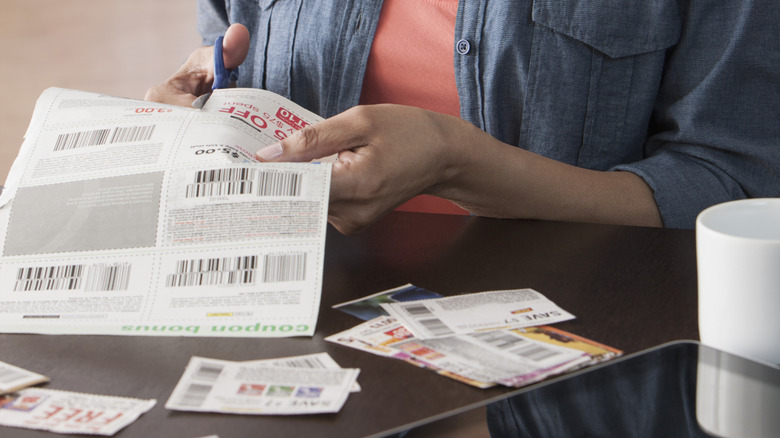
column 463, row 46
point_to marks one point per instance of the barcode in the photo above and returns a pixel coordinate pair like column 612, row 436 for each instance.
column 8, row 375
column 279, row 184
column 284, row 267
column 222, row 182
column 420, row 313
column 108, row 277
column 42, row 278
column 304, row 362
column 224, row 271
column 98, row 137
column 416, row 310
column 436, row 327
column 516, row 345
column 208, row 372
column 195, row 395
column 244, row 181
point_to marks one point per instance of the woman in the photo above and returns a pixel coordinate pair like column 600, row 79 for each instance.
column 641, row 113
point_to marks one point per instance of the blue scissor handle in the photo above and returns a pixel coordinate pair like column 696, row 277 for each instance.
column 222, row 76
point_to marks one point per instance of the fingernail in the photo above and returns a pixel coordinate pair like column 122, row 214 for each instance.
column 270, row 153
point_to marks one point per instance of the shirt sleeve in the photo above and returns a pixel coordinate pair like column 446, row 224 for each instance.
column 715, row 132
column 212, row 20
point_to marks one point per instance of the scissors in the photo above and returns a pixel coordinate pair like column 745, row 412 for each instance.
column 222, row 76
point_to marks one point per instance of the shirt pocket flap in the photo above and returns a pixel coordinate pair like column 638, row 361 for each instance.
column 616, row 28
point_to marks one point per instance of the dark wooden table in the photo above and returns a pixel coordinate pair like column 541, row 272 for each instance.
column 630, row 287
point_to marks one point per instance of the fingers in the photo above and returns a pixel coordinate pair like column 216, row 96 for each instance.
column 235, row 45
column 165, row 94
column 338, row 133
column 352, row 207
column 386, row 155
column 174, row 91
column 195, row 76
column 192, row 79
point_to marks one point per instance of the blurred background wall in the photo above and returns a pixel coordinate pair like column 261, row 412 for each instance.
column 117, row 47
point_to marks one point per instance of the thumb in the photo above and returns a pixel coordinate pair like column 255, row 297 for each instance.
column 330, row 136
column 235, row 45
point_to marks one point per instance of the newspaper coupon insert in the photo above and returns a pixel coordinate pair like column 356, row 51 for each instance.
column 476, row 312
column 135, row 218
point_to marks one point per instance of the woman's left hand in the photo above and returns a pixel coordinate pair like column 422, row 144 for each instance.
column 387, row 154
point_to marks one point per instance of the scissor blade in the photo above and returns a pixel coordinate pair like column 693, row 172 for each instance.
column 201, row 100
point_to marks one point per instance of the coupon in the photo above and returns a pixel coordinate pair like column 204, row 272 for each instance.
column 13, row 378
column 374, row 336
column 70, row 412
column 211, row 385
column 476, row 312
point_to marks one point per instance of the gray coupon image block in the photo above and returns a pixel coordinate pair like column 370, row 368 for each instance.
column 105, row 213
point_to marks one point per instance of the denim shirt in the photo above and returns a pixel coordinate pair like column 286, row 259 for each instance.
column 684, row 93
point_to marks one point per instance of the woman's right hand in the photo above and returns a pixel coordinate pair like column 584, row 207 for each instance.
column 195, row 76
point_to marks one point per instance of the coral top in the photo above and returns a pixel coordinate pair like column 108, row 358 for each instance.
column 411, row 63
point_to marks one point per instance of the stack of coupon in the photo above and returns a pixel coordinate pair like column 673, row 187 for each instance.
column 483, row 339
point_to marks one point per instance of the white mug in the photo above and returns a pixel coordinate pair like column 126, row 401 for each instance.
column 738, row 257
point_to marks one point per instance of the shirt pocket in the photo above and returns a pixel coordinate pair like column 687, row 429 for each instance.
column 594, row 73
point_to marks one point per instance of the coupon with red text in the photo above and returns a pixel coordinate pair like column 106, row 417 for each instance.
column 70, row 412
